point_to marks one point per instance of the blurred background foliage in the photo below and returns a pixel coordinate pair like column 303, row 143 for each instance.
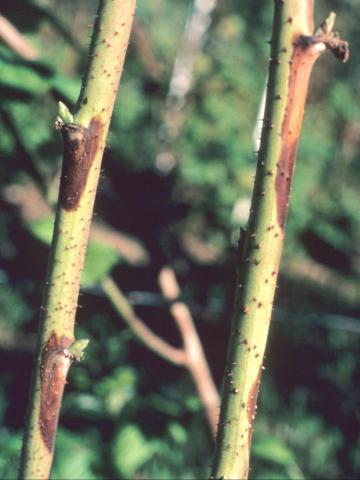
column 176, row 187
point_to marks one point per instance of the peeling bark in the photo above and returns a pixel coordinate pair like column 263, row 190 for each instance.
column 302, row 62
column 307, row 49
column 55, row 363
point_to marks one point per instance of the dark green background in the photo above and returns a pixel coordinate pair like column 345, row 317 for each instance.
column 126, row 412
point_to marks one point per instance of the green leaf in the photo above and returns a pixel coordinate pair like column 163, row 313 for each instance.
column 42, row 229
column 131, row 450
column 274, row 450
column 117, row 389
column 14, row 310
column 10, row 445
column 68, row 87
column 33, row 140
column 100, row 259
column 177, row 432
column 17, row 75
column 74, row 456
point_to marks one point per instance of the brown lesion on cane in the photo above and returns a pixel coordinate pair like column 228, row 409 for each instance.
column 304, row 55
column 283, row 180
column 290, row 131
column 80, row 147
column 251, row 404
column 55, row 363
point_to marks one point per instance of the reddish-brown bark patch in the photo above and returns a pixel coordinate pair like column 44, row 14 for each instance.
column 55, row 363
column 302, row 62
column 306, row 52
column 80, row 147
column 251, row 404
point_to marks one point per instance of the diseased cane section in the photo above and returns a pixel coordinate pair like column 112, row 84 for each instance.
column 84, row 135
column 301, row 66
column 294, row 50
column 306, row 51
column 55, row 363
column 80, row 147
column 251, row 405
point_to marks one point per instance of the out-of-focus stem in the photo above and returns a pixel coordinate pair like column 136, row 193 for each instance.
column 15, row 40
column 138, row 327
column 196, row 361
column 191, row 356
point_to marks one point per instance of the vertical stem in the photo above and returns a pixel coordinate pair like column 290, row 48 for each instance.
column 293, row 54
column 84, row 143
